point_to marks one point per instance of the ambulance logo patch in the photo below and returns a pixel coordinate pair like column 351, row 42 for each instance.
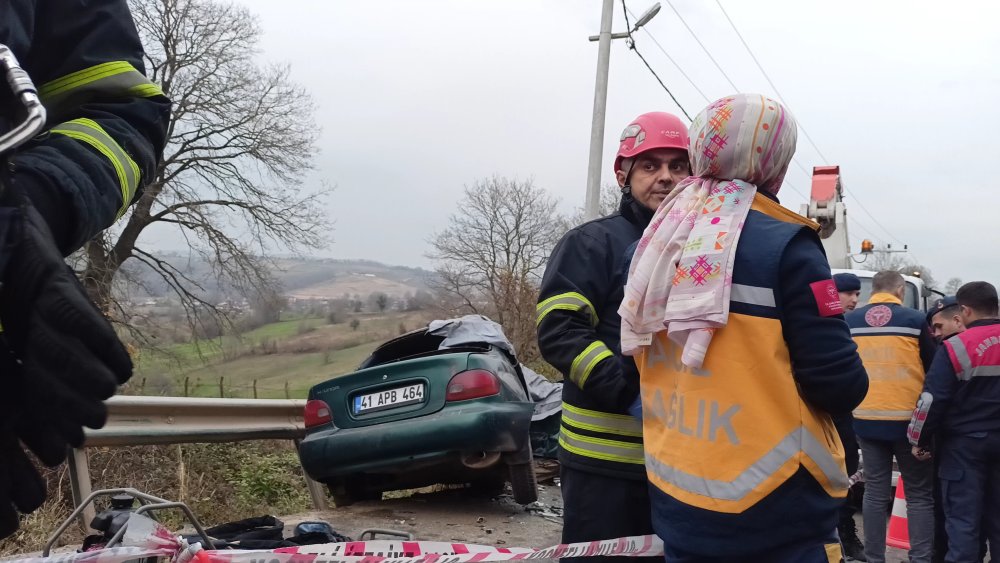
column 879, row 315
column 827, row 298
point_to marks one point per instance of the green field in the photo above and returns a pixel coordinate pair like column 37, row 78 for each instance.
column 280, row 359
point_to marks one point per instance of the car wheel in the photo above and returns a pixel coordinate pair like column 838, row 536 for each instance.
column 522, row 482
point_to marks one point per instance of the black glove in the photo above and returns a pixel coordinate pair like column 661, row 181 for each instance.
column 21, row 488
column 70, row 357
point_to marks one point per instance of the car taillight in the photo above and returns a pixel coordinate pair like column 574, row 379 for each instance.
column 317, row 413
column 472, row 384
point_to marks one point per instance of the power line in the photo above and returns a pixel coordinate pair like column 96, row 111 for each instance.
column 766, row 76
column 801, row 127
column 631, row 45
column 672, row 61
column 702, row 45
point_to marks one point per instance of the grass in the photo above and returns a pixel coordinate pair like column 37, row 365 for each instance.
column 298, row 353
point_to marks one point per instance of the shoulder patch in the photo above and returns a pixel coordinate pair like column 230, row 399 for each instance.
column 879, row 315
column 827, row 298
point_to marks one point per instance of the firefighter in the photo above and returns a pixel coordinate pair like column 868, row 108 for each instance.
column 959, row 414
column 849, row 288
column 743, row 353
column 896, row 347
column 104, row 132
column 602, row 476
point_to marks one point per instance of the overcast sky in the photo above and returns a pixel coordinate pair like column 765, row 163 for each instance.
column 417, row 99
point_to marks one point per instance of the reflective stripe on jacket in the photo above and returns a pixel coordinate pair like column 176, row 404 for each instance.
column 579, row 333
column 742, row 453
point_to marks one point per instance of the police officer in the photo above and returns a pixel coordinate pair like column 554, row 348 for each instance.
column 603, row 479
column 945, row 318
column 104, row 127
column 960, row 409
column 849, row 288
column 741, row 452
column 896, row 347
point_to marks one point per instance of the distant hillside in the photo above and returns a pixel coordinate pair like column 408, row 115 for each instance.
column 304, row 278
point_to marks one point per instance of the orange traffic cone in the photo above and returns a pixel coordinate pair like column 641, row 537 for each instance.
column 899, row 531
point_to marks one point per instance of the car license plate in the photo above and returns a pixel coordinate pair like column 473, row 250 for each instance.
column 390, row 398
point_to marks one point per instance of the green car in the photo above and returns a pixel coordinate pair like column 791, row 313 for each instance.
column 415, row 415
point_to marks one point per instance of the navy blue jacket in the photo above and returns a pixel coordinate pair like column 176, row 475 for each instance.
column 911, row 324
column 829, row 374
column 581, row 291
column 959, row 407
column 107, row 123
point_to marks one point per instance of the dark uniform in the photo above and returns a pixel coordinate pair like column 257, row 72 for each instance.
column 107, row 123
column 960, row 404
column 105, row 130
column 579, row 333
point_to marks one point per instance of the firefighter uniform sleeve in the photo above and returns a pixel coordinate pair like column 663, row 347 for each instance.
column 107, row 123
column 939, row 388
column 575, row 287
column 824, row 357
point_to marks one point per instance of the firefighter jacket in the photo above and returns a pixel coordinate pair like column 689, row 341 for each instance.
column 742, row 453
column 106, row 122
column 579, row 332
column 962, row 392
column 896, row 347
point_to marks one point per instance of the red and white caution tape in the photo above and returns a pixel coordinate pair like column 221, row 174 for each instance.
column 146, row 538
column 433, row 552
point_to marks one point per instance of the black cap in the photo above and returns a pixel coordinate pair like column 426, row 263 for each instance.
column 847, row 282
column 943, row 303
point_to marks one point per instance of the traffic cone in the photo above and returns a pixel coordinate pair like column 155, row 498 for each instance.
column 899, row 531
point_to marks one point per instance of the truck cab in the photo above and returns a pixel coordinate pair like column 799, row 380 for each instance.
column 916, row 297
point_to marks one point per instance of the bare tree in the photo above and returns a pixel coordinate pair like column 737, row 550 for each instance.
column 241, row 140
column 951, row 288
column 611, row 197
column 899, row 262
column 493, row 253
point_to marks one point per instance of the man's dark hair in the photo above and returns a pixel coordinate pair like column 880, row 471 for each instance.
column 887, row 282
column 981, row 297
column 951, row 311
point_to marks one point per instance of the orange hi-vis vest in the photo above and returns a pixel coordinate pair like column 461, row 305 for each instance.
column 725, row 436
column 887, row 335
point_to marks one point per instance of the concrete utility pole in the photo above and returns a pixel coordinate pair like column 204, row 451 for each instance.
column 591, row 208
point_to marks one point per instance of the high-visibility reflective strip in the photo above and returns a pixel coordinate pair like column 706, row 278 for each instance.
column 885, row 329
column 883, row 415
column 980, row 371
column 585, row 363
column 595, row 421
column 961, row 354
column 571, row 301
column 752, row 295
column 758, row 472
column 599, row 448
column 88, row 131
column 114, row 78
column 916, row 426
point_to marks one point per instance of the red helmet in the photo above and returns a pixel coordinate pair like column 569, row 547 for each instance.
column 654, row 130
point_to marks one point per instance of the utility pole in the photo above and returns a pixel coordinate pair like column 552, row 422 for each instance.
column 591, row 208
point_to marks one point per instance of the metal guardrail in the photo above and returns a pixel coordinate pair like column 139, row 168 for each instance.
column 140, row 421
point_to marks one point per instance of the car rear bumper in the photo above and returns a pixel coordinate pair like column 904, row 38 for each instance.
column 392, row 447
